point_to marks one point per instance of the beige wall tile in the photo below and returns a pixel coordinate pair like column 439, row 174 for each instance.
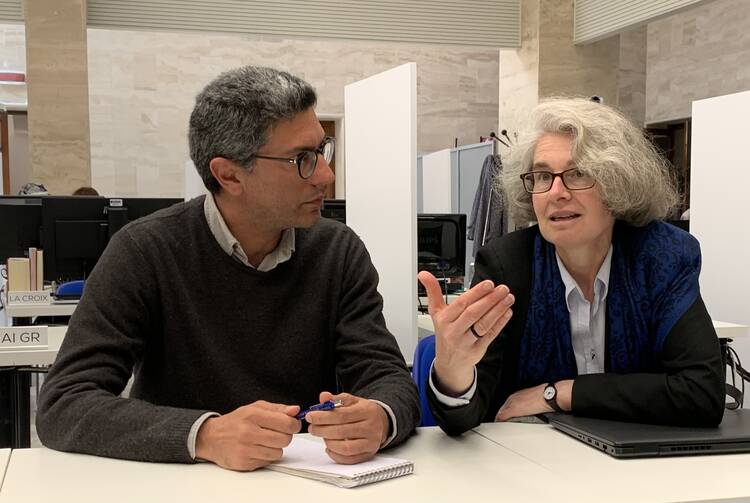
column 567, row 69
column 56, row 66
column 143, row 85
column 519, row 72
column 631, row 76
column 699, row 53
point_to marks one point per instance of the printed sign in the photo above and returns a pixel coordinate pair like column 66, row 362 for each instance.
column 34, row 337
column 34, row 297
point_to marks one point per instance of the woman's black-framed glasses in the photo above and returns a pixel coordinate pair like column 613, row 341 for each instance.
column 538, row 182
column 307, row 160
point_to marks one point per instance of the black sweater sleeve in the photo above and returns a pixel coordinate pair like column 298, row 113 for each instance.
column 369, row 362
column 689, row 389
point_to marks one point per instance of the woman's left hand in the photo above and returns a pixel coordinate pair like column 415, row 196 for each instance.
column 530, row 401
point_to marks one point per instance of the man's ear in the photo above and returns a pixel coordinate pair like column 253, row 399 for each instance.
column 227, row 174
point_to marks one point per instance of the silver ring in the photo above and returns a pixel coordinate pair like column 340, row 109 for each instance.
column 475, row 332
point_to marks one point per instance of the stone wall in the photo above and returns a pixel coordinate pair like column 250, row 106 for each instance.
column 58, row 97
column 699, row 53
column 142, row 85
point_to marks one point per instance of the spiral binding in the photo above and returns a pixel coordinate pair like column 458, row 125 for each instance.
column 384, row 474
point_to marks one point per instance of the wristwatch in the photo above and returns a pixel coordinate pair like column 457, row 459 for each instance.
column 550, row 396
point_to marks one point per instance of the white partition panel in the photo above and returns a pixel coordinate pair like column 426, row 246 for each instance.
column 719, row 184
column 436, row 182
column 381, row 192
column 193, row 186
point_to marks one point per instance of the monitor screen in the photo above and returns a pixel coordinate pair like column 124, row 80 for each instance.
column 335, row 209
column 441, row 244
column 20, row 221
column 682, row 224
column 75, row 230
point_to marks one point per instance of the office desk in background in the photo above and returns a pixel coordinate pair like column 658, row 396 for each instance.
column 33, row 310
column 14, row 407
column 600, row 477
column 723, row 329
column 452, row 469
column 31, row 356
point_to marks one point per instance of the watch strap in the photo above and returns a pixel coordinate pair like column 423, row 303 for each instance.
column 552, row 402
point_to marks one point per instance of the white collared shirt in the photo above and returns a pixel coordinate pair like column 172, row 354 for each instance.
column 232, row 247
column 587, row 327
column 587, row 319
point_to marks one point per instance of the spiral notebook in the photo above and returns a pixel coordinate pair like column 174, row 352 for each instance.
column 307, row 458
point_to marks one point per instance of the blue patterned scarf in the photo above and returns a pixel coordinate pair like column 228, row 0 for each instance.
column 653, row 281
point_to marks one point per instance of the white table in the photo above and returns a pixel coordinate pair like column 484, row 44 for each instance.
column 506, row 462
column 15, row 406
column 4, row 458
column 726, row 330
column 600, row 477
column 468, row 468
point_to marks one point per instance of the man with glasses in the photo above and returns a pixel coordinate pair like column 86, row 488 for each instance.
column 594, row 310
column 234, row 310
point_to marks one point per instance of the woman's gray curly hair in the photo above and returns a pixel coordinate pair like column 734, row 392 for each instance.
column 633, row 178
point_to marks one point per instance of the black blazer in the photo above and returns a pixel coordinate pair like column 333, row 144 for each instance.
column 688, row 390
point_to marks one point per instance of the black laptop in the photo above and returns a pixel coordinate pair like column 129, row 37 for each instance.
column 634, row 440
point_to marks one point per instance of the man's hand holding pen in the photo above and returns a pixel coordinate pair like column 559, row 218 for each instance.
column 249, row 437
column 353, row 432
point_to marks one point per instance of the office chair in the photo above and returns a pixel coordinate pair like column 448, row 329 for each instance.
column 423, row 356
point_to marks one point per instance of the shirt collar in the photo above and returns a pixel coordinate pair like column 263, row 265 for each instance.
column 232, row 246
column 601, row 283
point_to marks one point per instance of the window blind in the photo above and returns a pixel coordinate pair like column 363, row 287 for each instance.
column 598, row 19
column 489, row 23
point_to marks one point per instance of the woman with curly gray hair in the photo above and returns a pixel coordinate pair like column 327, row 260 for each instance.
column 607, row 317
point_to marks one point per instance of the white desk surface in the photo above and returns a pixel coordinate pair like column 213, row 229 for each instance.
column 55, row 336
column 470, row 467
column 29, row 310
column 451, row 298
column 723, row 329
column 600, row 477
column 726, row 330
column 507, row 462
column 4, row 458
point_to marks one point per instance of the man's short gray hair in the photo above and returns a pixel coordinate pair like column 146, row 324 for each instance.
column 234, row 113
column 632, row 176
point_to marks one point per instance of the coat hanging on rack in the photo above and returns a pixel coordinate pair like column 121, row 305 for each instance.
column 487, row 219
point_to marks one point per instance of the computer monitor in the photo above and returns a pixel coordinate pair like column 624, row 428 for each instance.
column 74, row 235
column 76, row 229
column 20, row 221
column 682, row 224
column 335, row 209
column 441, row 247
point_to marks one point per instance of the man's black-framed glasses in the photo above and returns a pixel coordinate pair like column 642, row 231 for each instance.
column 307, row 159
column 538, row 182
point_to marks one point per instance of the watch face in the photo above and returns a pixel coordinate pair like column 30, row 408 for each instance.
column 549, row 393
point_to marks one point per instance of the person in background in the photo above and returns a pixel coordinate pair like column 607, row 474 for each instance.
column 85, row 191
column 234, row 309
column 594, row 310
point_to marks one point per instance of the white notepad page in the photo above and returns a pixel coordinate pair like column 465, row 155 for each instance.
column 307, row 458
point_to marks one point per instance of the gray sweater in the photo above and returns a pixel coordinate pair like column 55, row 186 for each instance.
column 201, row 332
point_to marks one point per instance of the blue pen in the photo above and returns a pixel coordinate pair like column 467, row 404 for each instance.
column 327, row 405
